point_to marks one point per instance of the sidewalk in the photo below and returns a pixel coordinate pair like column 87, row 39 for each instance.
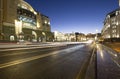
column 114, row 46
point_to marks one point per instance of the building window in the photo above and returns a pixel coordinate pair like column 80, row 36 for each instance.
column 12, row 38
column 117, row 23
column 118, row 36
column 48, row 23
column 113, row 31
column 114, row 27
column 117, row 12
column 113, row 21
column 45, row 21
column 114, row 35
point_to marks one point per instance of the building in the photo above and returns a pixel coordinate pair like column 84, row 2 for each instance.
column 111, row 29
column 20, row 22
column 90, row 36
column 64, row 37
column 70, row 37
column 59, row 36
column 80, row 37
column 1, row 16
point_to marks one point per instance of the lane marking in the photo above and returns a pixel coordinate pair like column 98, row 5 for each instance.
column 25, row 60
column 83, row 65
column 29, row 48
column 116, row 63
column 12, row 54
column 16, row 62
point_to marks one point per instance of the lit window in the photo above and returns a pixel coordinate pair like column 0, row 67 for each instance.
column 108, row 36
column 116, row 23
column 114, row 27
column 12, row 38
column 45, row 22
column 113, row 21
column 49, row 23
column 19, row 5
column 114, row 35
column 117, row 36
column 116, row 12
column 109, row 25
column 24, row 7
column 114, row 31
column 35, row 13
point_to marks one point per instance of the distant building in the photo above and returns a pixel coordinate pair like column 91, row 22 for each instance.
column 70, row 37
column 64, row 37
column 111, row 29
column 80, row 37
column 59, row 36
column 90, row 36
column 20, row 22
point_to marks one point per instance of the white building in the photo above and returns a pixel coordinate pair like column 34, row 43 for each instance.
column 59, row 36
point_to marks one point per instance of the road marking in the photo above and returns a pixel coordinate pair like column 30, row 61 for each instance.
column 80, row 73
column 16, row 62
column 12, row 54
column 116, row 63
column 25, row 60
column 29, row 48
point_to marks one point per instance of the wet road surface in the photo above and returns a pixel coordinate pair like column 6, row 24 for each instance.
column 108, row 63
column 46, row 63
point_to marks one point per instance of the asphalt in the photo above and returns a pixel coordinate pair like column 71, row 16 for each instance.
column 62, row 62
column 108, row 63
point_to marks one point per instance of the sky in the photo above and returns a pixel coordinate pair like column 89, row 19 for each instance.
column 84, row 16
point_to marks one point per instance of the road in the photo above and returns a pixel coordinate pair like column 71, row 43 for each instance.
column 63, row 62
column 108, row 63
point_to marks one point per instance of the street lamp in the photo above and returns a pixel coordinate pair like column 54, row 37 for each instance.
column 96, row 35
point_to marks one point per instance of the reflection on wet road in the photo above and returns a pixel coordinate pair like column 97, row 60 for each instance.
column 50, row 63
column 64, row 62
column 107, row 63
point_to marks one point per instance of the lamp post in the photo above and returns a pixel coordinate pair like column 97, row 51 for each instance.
column 96, row 35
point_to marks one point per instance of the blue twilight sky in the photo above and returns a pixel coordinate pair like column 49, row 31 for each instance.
column 67, row 16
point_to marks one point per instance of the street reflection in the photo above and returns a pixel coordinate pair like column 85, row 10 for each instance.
column 99, row 49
